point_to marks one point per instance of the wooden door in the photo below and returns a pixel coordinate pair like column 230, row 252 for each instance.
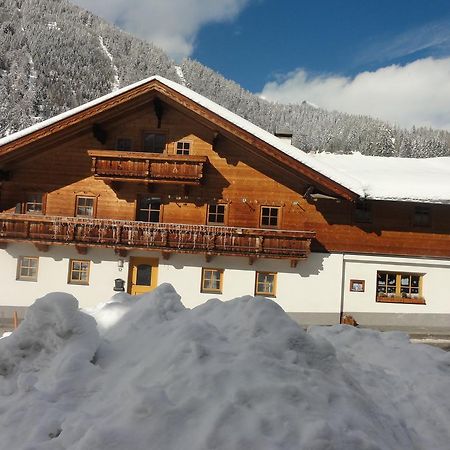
column 143, row 275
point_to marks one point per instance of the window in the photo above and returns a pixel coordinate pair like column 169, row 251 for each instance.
column 27, row 268
column 78, row 271
column 148, row 209
column 395, row 287
column 124, row 144
column 422, row 216
column 33, row 204
column 154, row 143
column 270, row 216
column 212, row 280
column 363, row 212
column 183, row 148
column 216, row 214
column 85, row 206
column 266, row 283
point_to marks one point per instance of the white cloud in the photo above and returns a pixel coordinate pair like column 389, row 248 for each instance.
column 170, row 24
column 414, row 94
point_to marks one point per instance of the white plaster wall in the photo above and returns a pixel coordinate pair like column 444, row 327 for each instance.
column 435, row 281
column 313, row 286
column 53, row 275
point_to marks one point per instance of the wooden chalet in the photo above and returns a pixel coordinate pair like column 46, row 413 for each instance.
column 155, row 183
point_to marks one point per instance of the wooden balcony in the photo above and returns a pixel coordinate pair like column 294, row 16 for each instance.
column 165, row 237
column 147, row 167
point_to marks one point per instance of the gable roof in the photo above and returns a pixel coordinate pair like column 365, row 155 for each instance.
column 321, row 172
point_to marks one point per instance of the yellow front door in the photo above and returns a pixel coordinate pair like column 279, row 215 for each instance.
column 143, row 275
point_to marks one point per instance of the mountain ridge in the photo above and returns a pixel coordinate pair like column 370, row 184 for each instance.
column 55, row 56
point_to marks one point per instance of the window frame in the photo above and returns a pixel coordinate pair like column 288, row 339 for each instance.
column 225, row 214
column 206, row 290
column 183, row 141
column 278, row 209
column 154, row 132
column 137, row 209
column 22, row 206
column 398, row 296
column 273, row 293
column 94, row 206
column 70, row 279
column 20, row 266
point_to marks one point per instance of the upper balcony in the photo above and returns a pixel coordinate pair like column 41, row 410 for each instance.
column 147, row 167
column 165, row 237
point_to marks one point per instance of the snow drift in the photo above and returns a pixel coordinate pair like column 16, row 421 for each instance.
column 148, row 373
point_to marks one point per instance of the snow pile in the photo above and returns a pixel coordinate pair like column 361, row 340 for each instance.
column 225, row 375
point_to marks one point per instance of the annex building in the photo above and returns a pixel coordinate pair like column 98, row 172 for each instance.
column 155, row 183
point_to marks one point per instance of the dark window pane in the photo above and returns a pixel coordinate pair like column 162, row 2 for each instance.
column 154, row 143
column 144, row 275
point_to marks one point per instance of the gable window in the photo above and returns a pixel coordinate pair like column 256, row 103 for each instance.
column 393, row 287
column 212, row 280
column 363, row 212
column 148, row 209
column 216, row 214
column 79, row 271
column 124, row 144
column 27, row 268
column 183, row 148
column 265, row 284
column 85, row 206
column 270, row 216
column 154, row 142
column 422, row 216
column 33, row 204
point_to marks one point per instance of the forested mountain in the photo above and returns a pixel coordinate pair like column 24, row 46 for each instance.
column 55, row 56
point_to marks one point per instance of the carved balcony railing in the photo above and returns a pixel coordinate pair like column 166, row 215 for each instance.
column 147, row 167
column 165, row 237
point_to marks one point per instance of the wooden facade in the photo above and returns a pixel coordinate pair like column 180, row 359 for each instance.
column 217, row 164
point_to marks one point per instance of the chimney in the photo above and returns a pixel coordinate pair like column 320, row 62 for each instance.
column 284, row 134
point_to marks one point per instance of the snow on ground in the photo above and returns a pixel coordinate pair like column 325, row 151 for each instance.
column 151, row 374
column 388, row 178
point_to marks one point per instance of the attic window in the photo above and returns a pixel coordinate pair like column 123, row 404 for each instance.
column 183, row 148
column 154, row 143
column 422, row 216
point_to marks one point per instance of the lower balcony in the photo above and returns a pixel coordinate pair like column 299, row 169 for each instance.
column 165, row 237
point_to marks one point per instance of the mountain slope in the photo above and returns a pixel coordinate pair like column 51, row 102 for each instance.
column 55, row 56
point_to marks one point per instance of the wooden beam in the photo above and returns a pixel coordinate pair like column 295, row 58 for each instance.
column 251, row 260
column 208, row 257
column 165, row 255
column 81, row 249
column 294, row 263
column 123, row 252
column 42, row 247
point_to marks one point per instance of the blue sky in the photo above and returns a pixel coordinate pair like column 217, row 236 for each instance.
column 270, row 38
column 387, row 59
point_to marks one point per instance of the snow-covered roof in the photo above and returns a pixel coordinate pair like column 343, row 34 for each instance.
column 323, row 168
column 425, row 180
